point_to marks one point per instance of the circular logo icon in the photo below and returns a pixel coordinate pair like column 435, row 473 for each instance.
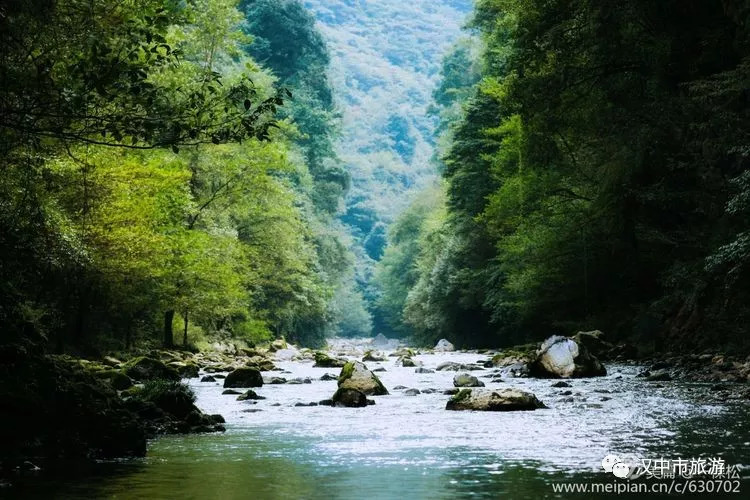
column 609, row 462
column 621, row 470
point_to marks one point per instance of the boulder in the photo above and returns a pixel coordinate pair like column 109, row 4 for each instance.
column 323, row 360
column 300, row 380
column 373, row 356
column 244, row 377
column 452, row 366
column 329, row 376
column 208, row 378
column 260, row 363
column 444, row 346
column 516, row 370
column 593, row 341
column 355, row 375
column 351, row 398
column 277, row 345
column 112, row 361
column 274, row 380
column 287, row 354
column 423, row 370
column 248, row 395
column 412, row 392
column 561, row 357
column 561, row 384
column 186, row 370
column 143, row 369
column 513, row 355
column 493, row 400
column 407, row 362
column 120, row 381
column 466, row 380
column 230, row 392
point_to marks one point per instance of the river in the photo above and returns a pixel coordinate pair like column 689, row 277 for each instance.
column 411, row 447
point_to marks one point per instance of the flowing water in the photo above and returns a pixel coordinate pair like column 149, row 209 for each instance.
column 411, row 447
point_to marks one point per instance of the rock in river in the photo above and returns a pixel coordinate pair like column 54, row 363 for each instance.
column 249, row 394
column 351, row 398
column 355, row 375
column 444, row 346
column 493, row 400
column 244, row 377
column 373, row 356
column 561, row 357
column 323, row 360
column 466, row 380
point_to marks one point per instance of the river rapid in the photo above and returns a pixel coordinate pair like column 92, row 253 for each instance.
column 408, row 446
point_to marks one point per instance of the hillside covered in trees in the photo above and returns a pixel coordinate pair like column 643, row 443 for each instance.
column 168, row 175
column 596, row 177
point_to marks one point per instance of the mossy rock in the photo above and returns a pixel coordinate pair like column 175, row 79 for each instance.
column 373, row 356
column 144, row 369
column 323, row 360
column 186, row 370
column 494, row 400
column 355, row 375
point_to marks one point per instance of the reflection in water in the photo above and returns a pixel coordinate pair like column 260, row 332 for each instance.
column 410, row 447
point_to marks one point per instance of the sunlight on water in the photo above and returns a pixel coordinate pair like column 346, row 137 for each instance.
column 411, row 446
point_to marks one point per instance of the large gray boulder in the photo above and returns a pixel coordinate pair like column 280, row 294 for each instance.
column 466, row 380
column 444, row 346
column 493, row 400
column 355, row 375
column 562, row 357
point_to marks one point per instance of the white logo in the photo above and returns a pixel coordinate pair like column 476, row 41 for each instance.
column 613, row 464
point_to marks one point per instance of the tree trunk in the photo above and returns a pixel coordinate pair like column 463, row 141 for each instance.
column 168, row 338
column 184, row 332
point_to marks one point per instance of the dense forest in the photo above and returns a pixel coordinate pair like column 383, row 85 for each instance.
column 596, row 176
column 213, row 213
column 172, row 174
column 168, row 175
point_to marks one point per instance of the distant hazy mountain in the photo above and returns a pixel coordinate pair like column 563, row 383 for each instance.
column 386, row 57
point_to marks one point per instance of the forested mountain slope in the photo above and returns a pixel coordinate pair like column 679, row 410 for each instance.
column 385, row 63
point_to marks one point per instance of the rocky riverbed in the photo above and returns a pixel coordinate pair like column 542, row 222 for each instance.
column 282, row 418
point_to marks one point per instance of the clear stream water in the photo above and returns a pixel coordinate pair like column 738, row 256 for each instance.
column 411, row 447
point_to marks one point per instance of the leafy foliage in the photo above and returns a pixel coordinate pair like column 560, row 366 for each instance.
column 596, row 178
